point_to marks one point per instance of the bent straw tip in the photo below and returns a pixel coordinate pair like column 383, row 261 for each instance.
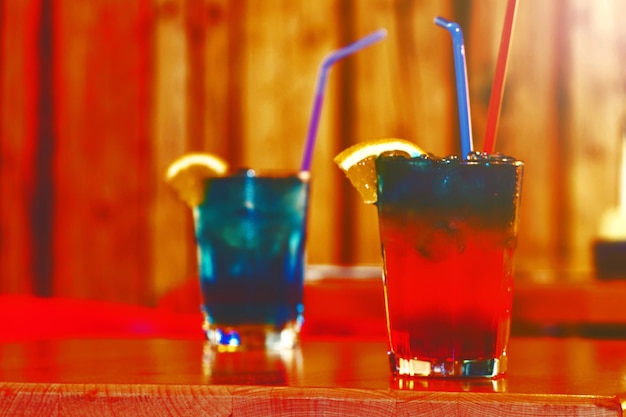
column 381, row 33
column 452, row 27
column 330, row 59
column 443, row 22
column 376, row 36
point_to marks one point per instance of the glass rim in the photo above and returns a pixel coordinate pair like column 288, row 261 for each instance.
column 456, row 162
column 269, row 173
column 513, row 162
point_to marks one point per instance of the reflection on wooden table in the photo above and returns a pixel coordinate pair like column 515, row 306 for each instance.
column 547, row 376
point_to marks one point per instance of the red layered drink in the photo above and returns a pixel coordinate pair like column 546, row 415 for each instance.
column 448, row 231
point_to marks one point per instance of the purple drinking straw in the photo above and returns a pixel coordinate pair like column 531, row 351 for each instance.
column 321, row 85
column 461, row 83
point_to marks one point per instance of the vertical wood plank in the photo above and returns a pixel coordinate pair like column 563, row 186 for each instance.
column 596, row 110
column 43, row 195
column 222, row 56
column 324, row 34
column 101, row 234
column 172, row 247
column 482, row 47
column 18, row 89
column 280, row 71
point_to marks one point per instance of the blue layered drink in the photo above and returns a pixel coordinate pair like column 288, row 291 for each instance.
column 251, row 235
column 448, row 231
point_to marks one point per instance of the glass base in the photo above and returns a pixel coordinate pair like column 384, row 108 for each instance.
column 481, row 368
column 251, row 336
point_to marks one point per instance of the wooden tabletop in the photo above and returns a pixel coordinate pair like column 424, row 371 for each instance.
column 348, row 377
column 63, row 357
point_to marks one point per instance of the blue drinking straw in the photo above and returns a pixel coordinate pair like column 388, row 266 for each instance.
column 321, row 85
column 461, row 83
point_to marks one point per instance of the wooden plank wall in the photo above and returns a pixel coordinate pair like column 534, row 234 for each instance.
column 18, row 88
column 137, row 83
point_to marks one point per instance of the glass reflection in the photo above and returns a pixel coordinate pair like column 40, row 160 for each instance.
column 263, row 367
column 450, row 384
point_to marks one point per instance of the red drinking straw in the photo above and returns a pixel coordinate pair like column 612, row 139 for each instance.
column 495, row 101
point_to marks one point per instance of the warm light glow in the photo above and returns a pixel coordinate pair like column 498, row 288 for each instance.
column 622, row 178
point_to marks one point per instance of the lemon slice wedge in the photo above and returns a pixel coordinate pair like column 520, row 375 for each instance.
column 186, row 175
column 357, row 162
